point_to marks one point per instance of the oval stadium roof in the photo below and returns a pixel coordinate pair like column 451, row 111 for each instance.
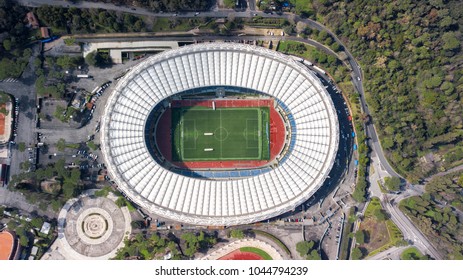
column 313, row 147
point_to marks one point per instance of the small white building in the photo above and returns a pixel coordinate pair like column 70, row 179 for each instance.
column 34, row 251
column 45, row 228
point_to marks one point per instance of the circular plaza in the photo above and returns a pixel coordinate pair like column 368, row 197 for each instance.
column 90, row 227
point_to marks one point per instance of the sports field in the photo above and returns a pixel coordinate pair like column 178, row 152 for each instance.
column 207, row 134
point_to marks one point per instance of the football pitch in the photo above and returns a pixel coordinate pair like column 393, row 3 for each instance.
column 205, row 134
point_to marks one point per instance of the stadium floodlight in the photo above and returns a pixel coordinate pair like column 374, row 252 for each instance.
column 225, row 197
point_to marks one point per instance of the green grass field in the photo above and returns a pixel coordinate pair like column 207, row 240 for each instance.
column 257, row 251
column 204, row 134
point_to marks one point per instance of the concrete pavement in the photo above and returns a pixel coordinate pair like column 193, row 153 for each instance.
column 24, row 92
column 17, row 200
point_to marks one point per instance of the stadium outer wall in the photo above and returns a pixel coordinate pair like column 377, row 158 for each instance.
column 123, row 181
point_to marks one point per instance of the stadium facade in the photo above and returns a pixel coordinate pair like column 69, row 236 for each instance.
column 236, row 197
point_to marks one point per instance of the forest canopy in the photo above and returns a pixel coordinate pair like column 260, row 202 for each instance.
column 411, row 55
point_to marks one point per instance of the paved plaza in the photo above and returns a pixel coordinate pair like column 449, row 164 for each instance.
column 90, row 227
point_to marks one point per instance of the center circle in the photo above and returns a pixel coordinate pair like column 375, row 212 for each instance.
column 94, row 226
column 221, row 134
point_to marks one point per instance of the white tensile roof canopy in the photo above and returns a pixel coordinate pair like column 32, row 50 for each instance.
column 314, row 134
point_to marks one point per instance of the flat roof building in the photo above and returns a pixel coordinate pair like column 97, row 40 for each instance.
column 32, row 20
column 44, row 32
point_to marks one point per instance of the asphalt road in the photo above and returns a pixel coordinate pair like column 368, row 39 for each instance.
column 411, row 233
column 24, row 91
column 391, row 253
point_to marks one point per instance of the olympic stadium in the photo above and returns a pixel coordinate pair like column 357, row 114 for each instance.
column 219, row 134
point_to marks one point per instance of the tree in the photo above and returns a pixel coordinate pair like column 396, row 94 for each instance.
column 356, row 254
column 120, row 202
column 69, row 190
column 335, row 47
column 56, row 205
column 360, row 237
column 451, row 42
column 236, row 233
column 91, row 58
column 7, row 44
column 37, row 222
column 67, row 62
column 304, row 247
column 23, row 240
column 138, row 224
column 61, row 145
column 229, row 3
column 460, row 181
column 192, row 243
column 25, row 165
column 92, row 145
column 314, row 255
column 380, row 215
column 413, row 254
column 21, row 146
column 70, row 41
column 392, row 183
column 360, row 191
column 75, row 176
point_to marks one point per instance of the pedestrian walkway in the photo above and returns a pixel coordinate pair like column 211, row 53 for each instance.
column 9, row 80
column 90, row 228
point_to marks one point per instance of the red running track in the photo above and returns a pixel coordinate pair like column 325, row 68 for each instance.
column 277, row 133
column 238, row 255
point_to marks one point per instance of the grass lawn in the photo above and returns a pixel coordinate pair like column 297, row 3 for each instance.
column 303, row 6
column 72, row 145
column 346, row 239
column 381, row 234
column 172, row 24
column 257, row 251
column 411, row 253
column 381, row 187
column 271, row 22
column 297, row 48
column 204, row 134
column 273, row 238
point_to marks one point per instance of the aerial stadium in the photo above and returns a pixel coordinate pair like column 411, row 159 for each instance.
column 219, row 134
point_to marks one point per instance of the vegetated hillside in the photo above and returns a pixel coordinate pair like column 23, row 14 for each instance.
column 13, row 38
column 12, row 21
column 165, row 5
column 438, row 213
column 412, row 60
